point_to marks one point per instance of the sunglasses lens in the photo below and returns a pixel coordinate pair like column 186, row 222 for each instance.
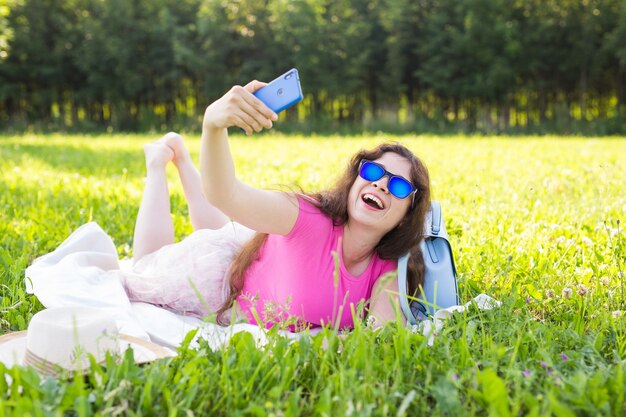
column 400, row 187
column 371, row 171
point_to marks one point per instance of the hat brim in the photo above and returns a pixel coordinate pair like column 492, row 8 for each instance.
column 13, row 349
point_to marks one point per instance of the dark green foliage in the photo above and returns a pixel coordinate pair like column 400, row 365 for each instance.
column 399, row 65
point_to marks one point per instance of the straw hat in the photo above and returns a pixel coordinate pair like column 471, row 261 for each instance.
column 63, row 338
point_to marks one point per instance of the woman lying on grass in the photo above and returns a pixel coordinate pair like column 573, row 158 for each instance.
column 285, row 272
column 313, row 258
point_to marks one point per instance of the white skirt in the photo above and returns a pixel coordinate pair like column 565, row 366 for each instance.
column 188, row 277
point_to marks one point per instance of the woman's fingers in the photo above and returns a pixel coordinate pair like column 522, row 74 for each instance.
column 259, row 115
column 259, row 118
column 233, row 111
column 239, row 107
column 260, row 108
column 254, row 85
column 248, row 123
column 239, row 121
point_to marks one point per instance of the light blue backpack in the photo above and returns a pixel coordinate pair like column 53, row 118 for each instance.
column 440, row 288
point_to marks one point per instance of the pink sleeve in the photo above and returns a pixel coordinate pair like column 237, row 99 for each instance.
column 385, row 266
column 309, row 218
column 389, row 265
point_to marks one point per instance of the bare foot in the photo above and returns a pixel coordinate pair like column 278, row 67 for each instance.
column 177, row 144
column 157, row 155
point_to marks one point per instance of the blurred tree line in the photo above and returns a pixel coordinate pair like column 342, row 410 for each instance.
column 487, row 65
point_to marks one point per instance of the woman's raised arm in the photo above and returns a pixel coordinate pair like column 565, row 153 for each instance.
column 260, row 210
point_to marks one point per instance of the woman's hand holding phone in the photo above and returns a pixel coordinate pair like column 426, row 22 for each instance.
column 261, row 210
column 239, row 107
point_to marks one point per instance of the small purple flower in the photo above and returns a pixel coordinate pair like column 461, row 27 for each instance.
column 564, row 356
column 528, row 299
column 526, row 373
column 454, row 377
column 543, row 364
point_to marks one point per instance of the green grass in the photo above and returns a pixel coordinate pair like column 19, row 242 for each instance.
column 528, row 219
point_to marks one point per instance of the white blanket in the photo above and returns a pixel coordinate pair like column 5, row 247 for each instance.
column 84, row 271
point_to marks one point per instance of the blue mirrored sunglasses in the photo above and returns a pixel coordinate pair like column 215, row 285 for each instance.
column 398, row 186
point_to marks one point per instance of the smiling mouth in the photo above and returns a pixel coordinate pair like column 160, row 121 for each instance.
column 373, row 201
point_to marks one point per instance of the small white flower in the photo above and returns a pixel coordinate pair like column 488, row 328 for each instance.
column 604, row 281
column 549, row 294
column 582, row 290
column 567, row 293
column 373, row 322
column 617, row 314
column 587, row 241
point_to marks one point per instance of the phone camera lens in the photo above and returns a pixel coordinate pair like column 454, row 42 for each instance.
column 280, row 92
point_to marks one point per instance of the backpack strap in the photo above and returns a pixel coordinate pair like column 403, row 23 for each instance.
column 403, row 264
column 440, row 287
column 435, row 219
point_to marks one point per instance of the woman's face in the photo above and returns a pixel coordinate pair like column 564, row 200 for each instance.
column 371, row 204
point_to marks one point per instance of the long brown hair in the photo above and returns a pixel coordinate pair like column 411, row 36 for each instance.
column 333, row 202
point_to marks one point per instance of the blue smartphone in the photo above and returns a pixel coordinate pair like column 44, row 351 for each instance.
column 282, row 93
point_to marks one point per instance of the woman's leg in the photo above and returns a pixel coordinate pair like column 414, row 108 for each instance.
column 154, row 228
column 202, row 214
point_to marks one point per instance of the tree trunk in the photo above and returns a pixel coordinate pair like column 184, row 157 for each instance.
column 527, row 109
column 543, row 106
column 471, row 116
column 60, row 102
column 621, row 92
column 582, row 93
column 455, row 106
column 373, row 99
column 503, row 116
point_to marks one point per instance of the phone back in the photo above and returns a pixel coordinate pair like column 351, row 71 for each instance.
column 281, row 93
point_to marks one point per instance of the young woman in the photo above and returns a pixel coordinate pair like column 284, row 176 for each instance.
column 311, row 258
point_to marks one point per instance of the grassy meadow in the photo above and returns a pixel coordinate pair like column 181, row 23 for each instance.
column 537, row 223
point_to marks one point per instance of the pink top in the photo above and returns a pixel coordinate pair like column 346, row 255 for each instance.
column 294, row 276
